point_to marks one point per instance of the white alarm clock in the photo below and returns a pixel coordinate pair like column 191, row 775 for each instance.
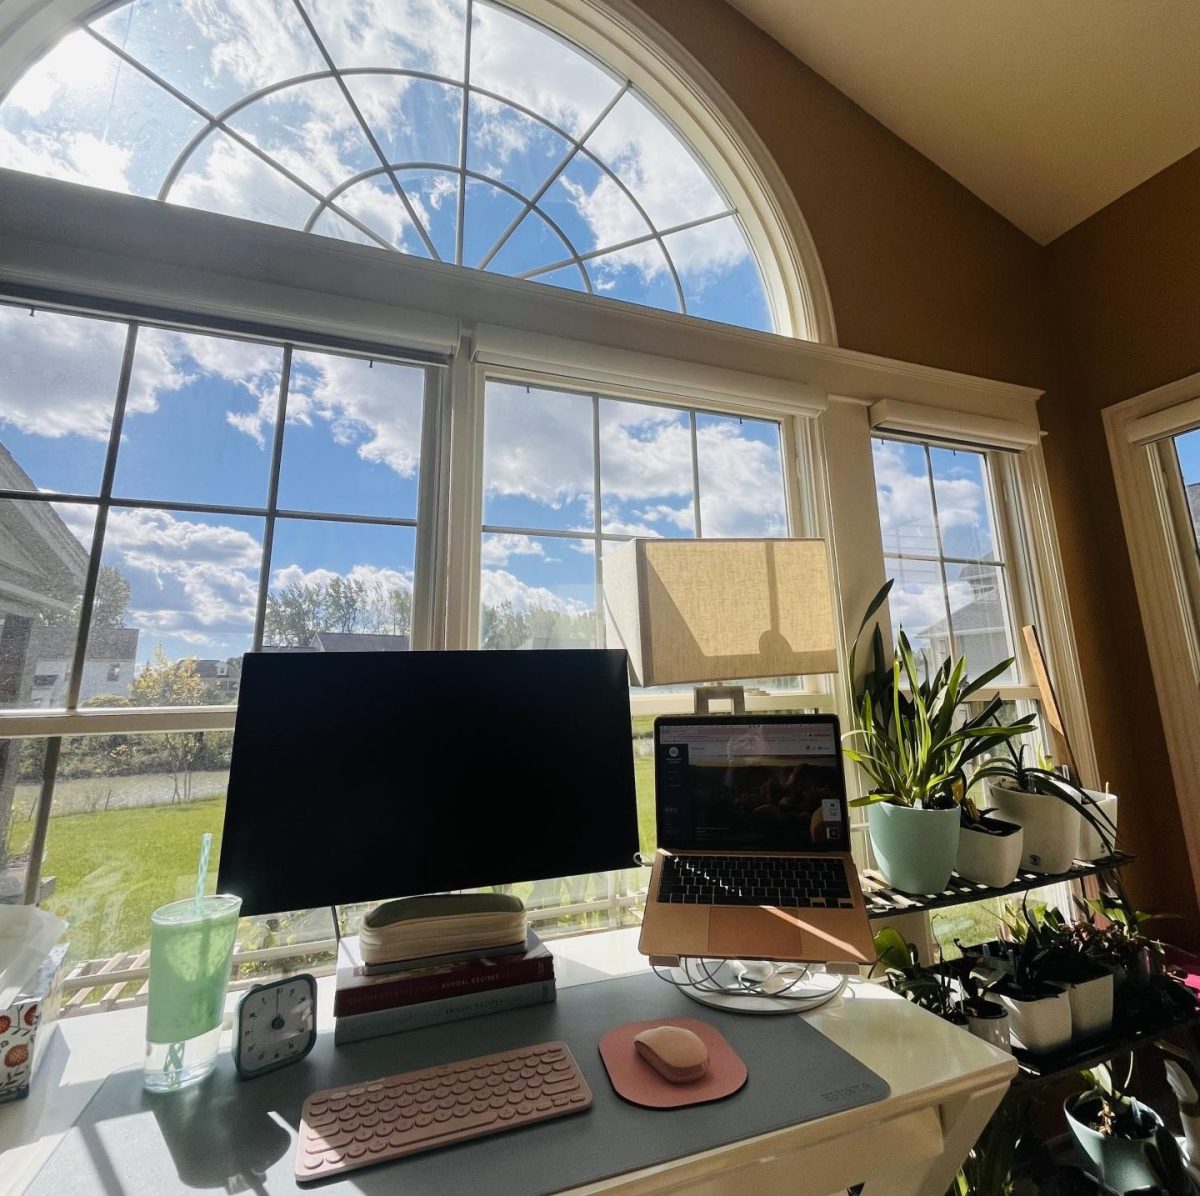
column 276, row 1025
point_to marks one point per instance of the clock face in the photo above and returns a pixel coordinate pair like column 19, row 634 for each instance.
column 276, row 1025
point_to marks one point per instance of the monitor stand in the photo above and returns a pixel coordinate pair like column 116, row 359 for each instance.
column 752, row 986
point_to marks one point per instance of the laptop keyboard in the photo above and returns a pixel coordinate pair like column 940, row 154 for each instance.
column 805, row 882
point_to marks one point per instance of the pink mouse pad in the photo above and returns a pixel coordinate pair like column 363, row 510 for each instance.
column 637, row 1082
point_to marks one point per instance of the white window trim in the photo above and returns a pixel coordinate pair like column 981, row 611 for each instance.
column 1135, row 429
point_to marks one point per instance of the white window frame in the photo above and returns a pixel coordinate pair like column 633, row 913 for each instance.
column 1140, row 431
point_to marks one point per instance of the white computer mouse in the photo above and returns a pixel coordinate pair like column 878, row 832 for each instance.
column 677, row 1054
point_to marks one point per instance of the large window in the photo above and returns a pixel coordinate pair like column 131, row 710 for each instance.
column 454, row 130
column 169, row 500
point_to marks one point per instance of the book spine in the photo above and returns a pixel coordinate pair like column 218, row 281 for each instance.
column 434, row 1013
column 388, row 994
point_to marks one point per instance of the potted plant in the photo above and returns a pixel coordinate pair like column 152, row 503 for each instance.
column 1039, row 1010
column 913, row 738
column 1113, row 1129
column 1048, row 807
column 990, row 849
column 1103, row 808
column 931, row 988
column 986, row 1019
column 1089, row 985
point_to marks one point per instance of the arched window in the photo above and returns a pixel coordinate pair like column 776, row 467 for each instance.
column 455, row 130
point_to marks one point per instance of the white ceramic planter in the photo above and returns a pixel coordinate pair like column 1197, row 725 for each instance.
column 1040, row 1026
column 991, row 1024
column 1091, row 1007
column 1091, row 846
column 990, row 859
column 1051, row 826
column 915, row 849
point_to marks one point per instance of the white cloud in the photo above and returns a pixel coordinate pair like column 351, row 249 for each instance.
column 905, row 508
column 376, row 408
column 190, row 579
column 498, row 548
column 374, row 577
column 498, row 586
column 75, row 64
column 70, row 156
column 59, row 374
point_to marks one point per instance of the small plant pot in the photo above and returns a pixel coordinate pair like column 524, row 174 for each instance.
column 915, row 849
column 1091, row 1006
column 1040, row 1023
column 1102, row 807
column 989, row 852
column 1051, row 826
column 989, row 1020
column 1119, row 1162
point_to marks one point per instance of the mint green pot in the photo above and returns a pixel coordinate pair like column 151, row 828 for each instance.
column 915, row 849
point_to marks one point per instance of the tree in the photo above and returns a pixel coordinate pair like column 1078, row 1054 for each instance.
column 507, row 626
column 109, row 607
column 299, row 611
column 165, row 682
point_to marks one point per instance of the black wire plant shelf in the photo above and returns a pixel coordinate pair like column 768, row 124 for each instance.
column 883, row 901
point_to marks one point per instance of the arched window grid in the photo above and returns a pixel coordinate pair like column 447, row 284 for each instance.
column 573, row 258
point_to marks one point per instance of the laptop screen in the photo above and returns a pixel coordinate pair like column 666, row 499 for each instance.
column 750, row 783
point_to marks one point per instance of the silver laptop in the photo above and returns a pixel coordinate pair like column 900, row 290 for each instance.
column 753, row 857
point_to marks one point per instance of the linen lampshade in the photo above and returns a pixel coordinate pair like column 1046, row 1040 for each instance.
column 709, row 610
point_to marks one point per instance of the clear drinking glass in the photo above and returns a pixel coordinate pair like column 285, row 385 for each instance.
column 191, row 952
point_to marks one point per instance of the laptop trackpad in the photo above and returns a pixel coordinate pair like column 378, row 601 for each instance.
column 737, row 932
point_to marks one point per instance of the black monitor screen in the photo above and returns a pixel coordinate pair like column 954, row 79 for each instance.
column 361, row 776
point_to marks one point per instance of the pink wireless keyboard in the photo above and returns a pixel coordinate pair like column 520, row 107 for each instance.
column 343, row 1129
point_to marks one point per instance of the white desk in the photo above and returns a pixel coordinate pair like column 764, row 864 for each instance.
column 945, row 1085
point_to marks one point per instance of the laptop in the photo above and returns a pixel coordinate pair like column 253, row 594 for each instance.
column 753, row 857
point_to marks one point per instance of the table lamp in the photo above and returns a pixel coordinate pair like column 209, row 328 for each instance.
column 691, row 611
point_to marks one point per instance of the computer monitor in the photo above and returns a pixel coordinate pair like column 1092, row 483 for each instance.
column 361, row 776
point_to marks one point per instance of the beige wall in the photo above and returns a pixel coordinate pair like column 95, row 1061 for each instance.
column 921, row 270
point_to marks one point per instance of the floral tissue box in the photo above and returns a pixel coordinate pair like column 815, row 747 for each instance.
column 25, row 1027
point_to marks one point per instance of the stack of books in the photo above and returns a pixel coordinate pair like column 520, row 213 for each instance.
column 372, row 999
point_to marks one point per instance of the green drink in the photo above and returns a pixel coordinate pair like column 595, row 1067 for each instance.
column 191, row 951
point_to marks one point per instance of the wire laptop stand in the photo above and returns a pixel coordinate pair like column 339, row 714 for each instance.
column 752, row 986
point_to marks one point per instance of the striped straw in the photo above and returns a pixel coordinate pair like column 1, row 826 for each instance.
column 202, row 871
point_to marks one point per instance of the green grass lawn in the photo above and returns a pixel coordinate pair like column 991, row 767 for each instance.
column 113, row 868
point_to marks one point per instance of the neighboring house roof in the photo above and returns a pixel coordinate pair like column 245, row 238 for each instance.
column 104, row 643
column 358, row 641
column 985, row 611
column 41, row 563
column 210, row 670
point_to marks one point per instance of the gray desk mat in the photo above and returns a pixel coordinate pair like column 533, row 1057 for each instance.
column 239, row 1136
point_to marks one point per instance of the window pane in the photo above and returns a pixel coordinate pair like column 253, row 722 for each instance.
column 353, row 439
column 639, row 274
column 507, row 145
column 375, row 203
column 1187, row 450
column 191, row 582
column 311, row 130
column 719, row 275
column 200, row 419
column 423, row 35
column 434, row 197
column 532, row 245
column 537, row 458
column 980, row 618
column 646, row 470
column 918, row 604
column 902, row 491
column 414, row 120
column 960, row 484
column 58, row 388
column 214, row 53
column 524, row 62
column 538, row 592
column 652, row 160
column 43, row 559
column 223, row 176
column 340, row 587
column 741, row 477
column 488, row 212
column 591, row 208
column 124, row 836
column 83, row 115
column 21, row 762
